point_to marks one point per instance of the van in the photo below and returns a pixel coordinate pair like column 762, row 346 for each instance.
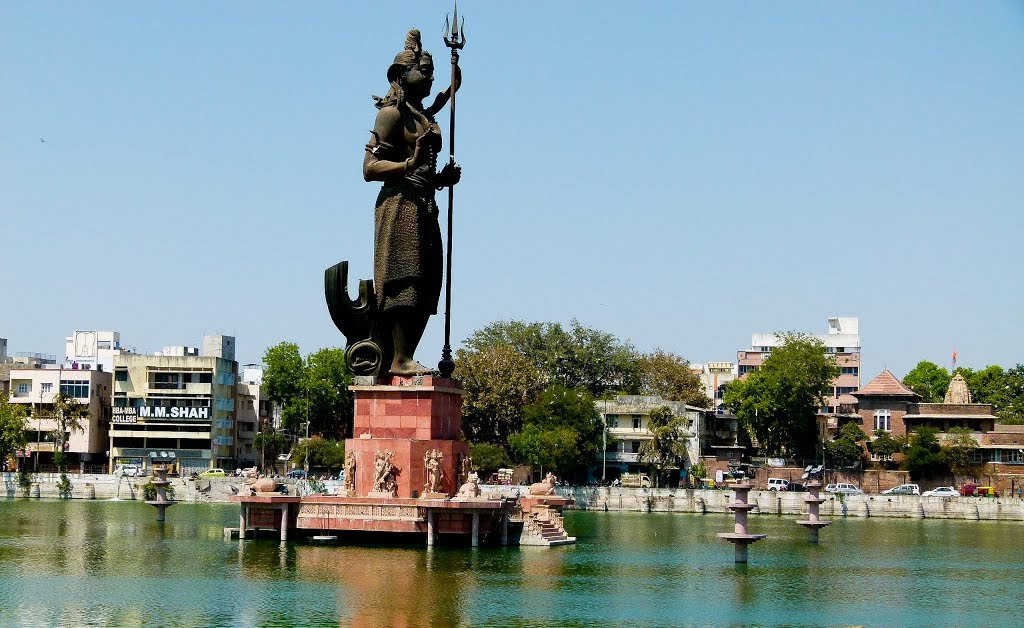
column 778, row 484
column 635, row 480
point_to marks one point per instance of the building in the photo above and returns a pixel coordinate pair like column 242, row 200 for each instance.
column 35, row 388
column 842, row 341
column 176, row 407
column 93, row 349
column 255, row 414
column 626, row 428
column 714, row 376
column 3, row 350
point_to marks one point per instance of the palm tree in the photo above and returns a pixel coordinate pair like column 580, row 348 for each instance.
column 668, row 441
column 68, row 413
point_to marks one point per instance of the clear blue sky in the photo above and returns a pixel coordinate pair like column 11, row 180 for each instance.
column 679, row 174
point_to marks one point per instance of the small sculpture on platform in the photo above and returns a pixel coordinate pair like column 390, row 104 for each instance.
column 433, row 460
column 471, row 488
column 547, row 487
column 350, row 474
column 384, row 473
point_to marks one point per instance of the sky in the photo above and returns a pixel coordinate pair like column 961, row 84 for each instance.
column 679, row 174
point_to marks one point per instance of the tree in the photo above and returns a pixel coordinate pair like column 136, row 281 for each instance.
column 885, row 446
column 580, row 357
column 324, row 454
column 846, row 449
column 960, row 449
column 498, row 382
column 928, row 380
column 12, row 429
column 67, row 414
column 314, row 388
column 924, row 457
column 667, row 446
column 779, row 402
column 488, row 457
column 669, row 376
column 271, row 445
column 563, row 430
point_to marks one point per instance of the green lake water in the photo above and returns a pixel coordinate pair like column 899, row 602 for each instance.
column 80, row 562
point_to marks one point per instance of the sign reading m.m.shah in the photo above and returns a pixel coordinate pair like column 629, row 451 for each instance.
column 157, row 413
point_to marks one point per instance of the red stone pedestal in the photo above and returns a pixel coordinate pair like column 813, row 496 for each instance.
column 408, row 416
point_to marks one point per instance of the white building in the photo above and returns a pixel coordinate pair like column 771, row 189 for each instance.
column 714, row 376
column 842, row 342
column 92, row 349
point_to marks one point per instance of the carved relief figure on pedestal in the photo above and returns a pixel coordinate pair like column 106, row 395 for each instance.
column 471, row 488
column 465, row 464
column 384, row 472
column 433, row 460
column 350, row 473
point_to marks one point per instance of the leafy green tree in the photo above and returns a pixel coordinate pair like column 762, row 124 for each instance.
column 562, row 430
column 498, row 382
column 271, row 445
column 1004, row 389
column 67, row 415
column 669, row 376
column 779, row 402
column 12, row 429
column 960, row 449
column 315, row 388
column 924, row 456
column 488, row 458
column 667, row 447
column 928, row 380
column 578, row 357
column 324, row 454
column 885, row 446
column 554, row 448
column 846, row 449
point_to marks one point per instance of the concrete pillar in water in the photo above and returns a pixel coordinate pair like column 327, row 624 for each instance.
column 431, row 528
column 284, row 522
column 476, row 529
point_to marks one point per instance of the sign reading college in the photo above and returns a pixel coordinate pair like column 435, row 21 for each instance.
column 160, row 413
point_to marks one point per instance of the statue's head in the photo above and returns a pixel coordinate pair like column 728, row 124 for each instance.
column 412, row 72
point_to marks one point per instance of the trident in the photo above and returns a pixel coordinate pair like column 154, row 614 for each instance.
column 455, row 38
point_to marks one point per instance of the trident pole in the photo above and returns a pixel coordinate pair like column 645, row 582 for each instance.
column 454, row 38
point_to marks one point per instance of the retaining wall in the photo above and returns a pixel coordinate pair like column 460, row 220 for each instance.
column 786, row 503
column 105, row 486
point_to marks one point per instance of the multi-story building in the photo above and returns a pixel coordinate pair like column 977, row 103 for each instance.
column 714, row 376
column 3, row 350
column 626, row 425
column 176, row 407
column 93, row 349
column 842, row 342
column 35, row 388
column 255, row 414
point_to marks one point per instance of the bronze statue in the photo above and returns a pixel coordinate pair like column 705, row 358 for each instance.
column 385, row 324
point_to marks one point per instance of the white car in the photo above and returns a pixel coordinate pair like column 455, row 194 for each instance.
column 842, row 488
column 903, row 489
column 942, row 491
column 778, row 484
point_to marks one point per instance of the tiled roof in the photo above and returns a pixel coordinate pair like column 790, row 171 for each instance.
column 885, row 384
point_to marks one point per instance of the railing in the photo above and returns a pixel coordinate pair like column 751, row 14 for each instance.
column 618, row 456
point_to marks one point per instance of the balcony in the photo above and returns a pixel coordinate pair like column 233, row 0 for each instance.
column 618, row 456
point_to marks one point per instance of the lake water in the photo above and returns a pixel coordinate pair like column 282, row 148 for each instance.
column 79, row 562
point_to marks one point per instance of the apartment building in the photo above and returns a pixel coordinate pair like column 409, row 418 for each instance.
column 714, row 376
column 92, row 349
column 255, row 413
column 842, row 342
column 176, row 407
column 626, row 428
column 36, row 387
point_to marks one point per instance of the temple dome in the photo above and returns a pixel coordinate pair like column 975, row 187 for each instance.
column 958, row 392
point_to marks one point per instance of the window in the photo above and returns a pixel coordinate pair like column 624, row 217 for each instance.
column 882, row 420
column 121, row 376
column 1013, row 456
column 636, row 423
column 850, row 370
column 46, row 387
column 747, row 368
column 636, row 447
column 75, row 388
column 24, row 388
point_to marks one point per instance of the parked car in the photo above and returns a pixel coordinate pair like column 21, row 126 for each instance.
column 903, row 489
column 298, row 474
column 942, row 491
column 212, row 473
column 843, row 488
column 778, row 484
